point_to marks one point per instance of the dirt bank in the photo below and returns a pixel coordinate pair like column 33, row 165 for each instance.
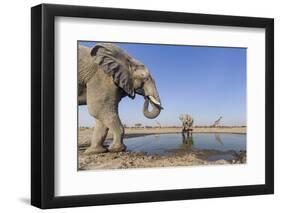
column 241, row 130
column 124, row 160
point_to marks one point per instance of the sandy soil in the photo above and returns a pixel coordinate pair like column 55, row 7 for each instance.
column 142, row 160
column 124, row 160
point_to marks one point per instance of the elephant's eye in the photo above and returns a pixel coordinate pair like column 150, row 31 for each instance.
column 145, row 78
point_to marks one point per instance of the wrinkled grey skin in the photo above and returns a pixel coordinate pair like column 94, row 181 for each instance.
column 187, row 123
column 106, row 75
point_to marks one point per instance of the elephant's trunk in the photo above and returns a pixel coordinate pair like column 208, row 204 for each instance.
column 154, row 112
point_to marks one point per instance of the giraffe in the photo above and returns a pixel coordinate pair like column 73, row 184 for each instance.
column 217, row 122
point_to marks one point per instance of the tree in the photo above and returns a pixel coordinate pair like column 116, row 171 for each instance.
column 138, row 125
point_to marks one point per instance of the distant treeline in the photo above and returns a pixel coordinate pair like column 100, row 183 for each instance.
column 197, row 126
column 84, row 127
column 220, row 126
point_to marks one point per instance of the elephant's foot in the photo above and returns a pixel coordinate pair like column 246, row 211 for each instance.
column 95, row 150
column 117, row 147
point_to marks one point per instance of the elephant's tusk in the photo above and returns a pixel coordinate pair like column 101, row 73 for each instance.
column 154, row 100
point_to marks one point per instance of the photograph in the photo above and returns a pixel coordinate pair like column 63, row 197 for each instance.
column 135, row 105
column 145, row 105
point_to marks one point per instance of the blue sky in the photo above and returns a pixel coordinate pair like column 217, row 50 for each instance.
column 205, row 82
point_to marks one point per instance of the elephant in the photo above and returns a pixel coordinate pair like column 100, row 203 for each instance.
column 187, row 123
column 106, row 75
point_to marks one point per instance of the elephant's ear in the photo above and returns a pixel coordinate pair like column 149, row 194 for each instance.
column 114, row 61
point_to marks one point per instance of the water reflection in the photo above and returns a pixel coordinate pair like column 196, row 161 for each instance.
column 218, row 138
column 218, row 144
column 187, row 142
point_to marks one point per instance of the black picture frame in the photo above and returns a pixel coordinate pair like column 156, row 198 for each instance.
column 43, row 102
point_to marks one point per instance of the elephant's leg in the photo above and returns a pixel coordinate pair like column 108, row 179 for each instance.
column 116, row 127
column 98, row 137
column 183, row 138
column 182, row 130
